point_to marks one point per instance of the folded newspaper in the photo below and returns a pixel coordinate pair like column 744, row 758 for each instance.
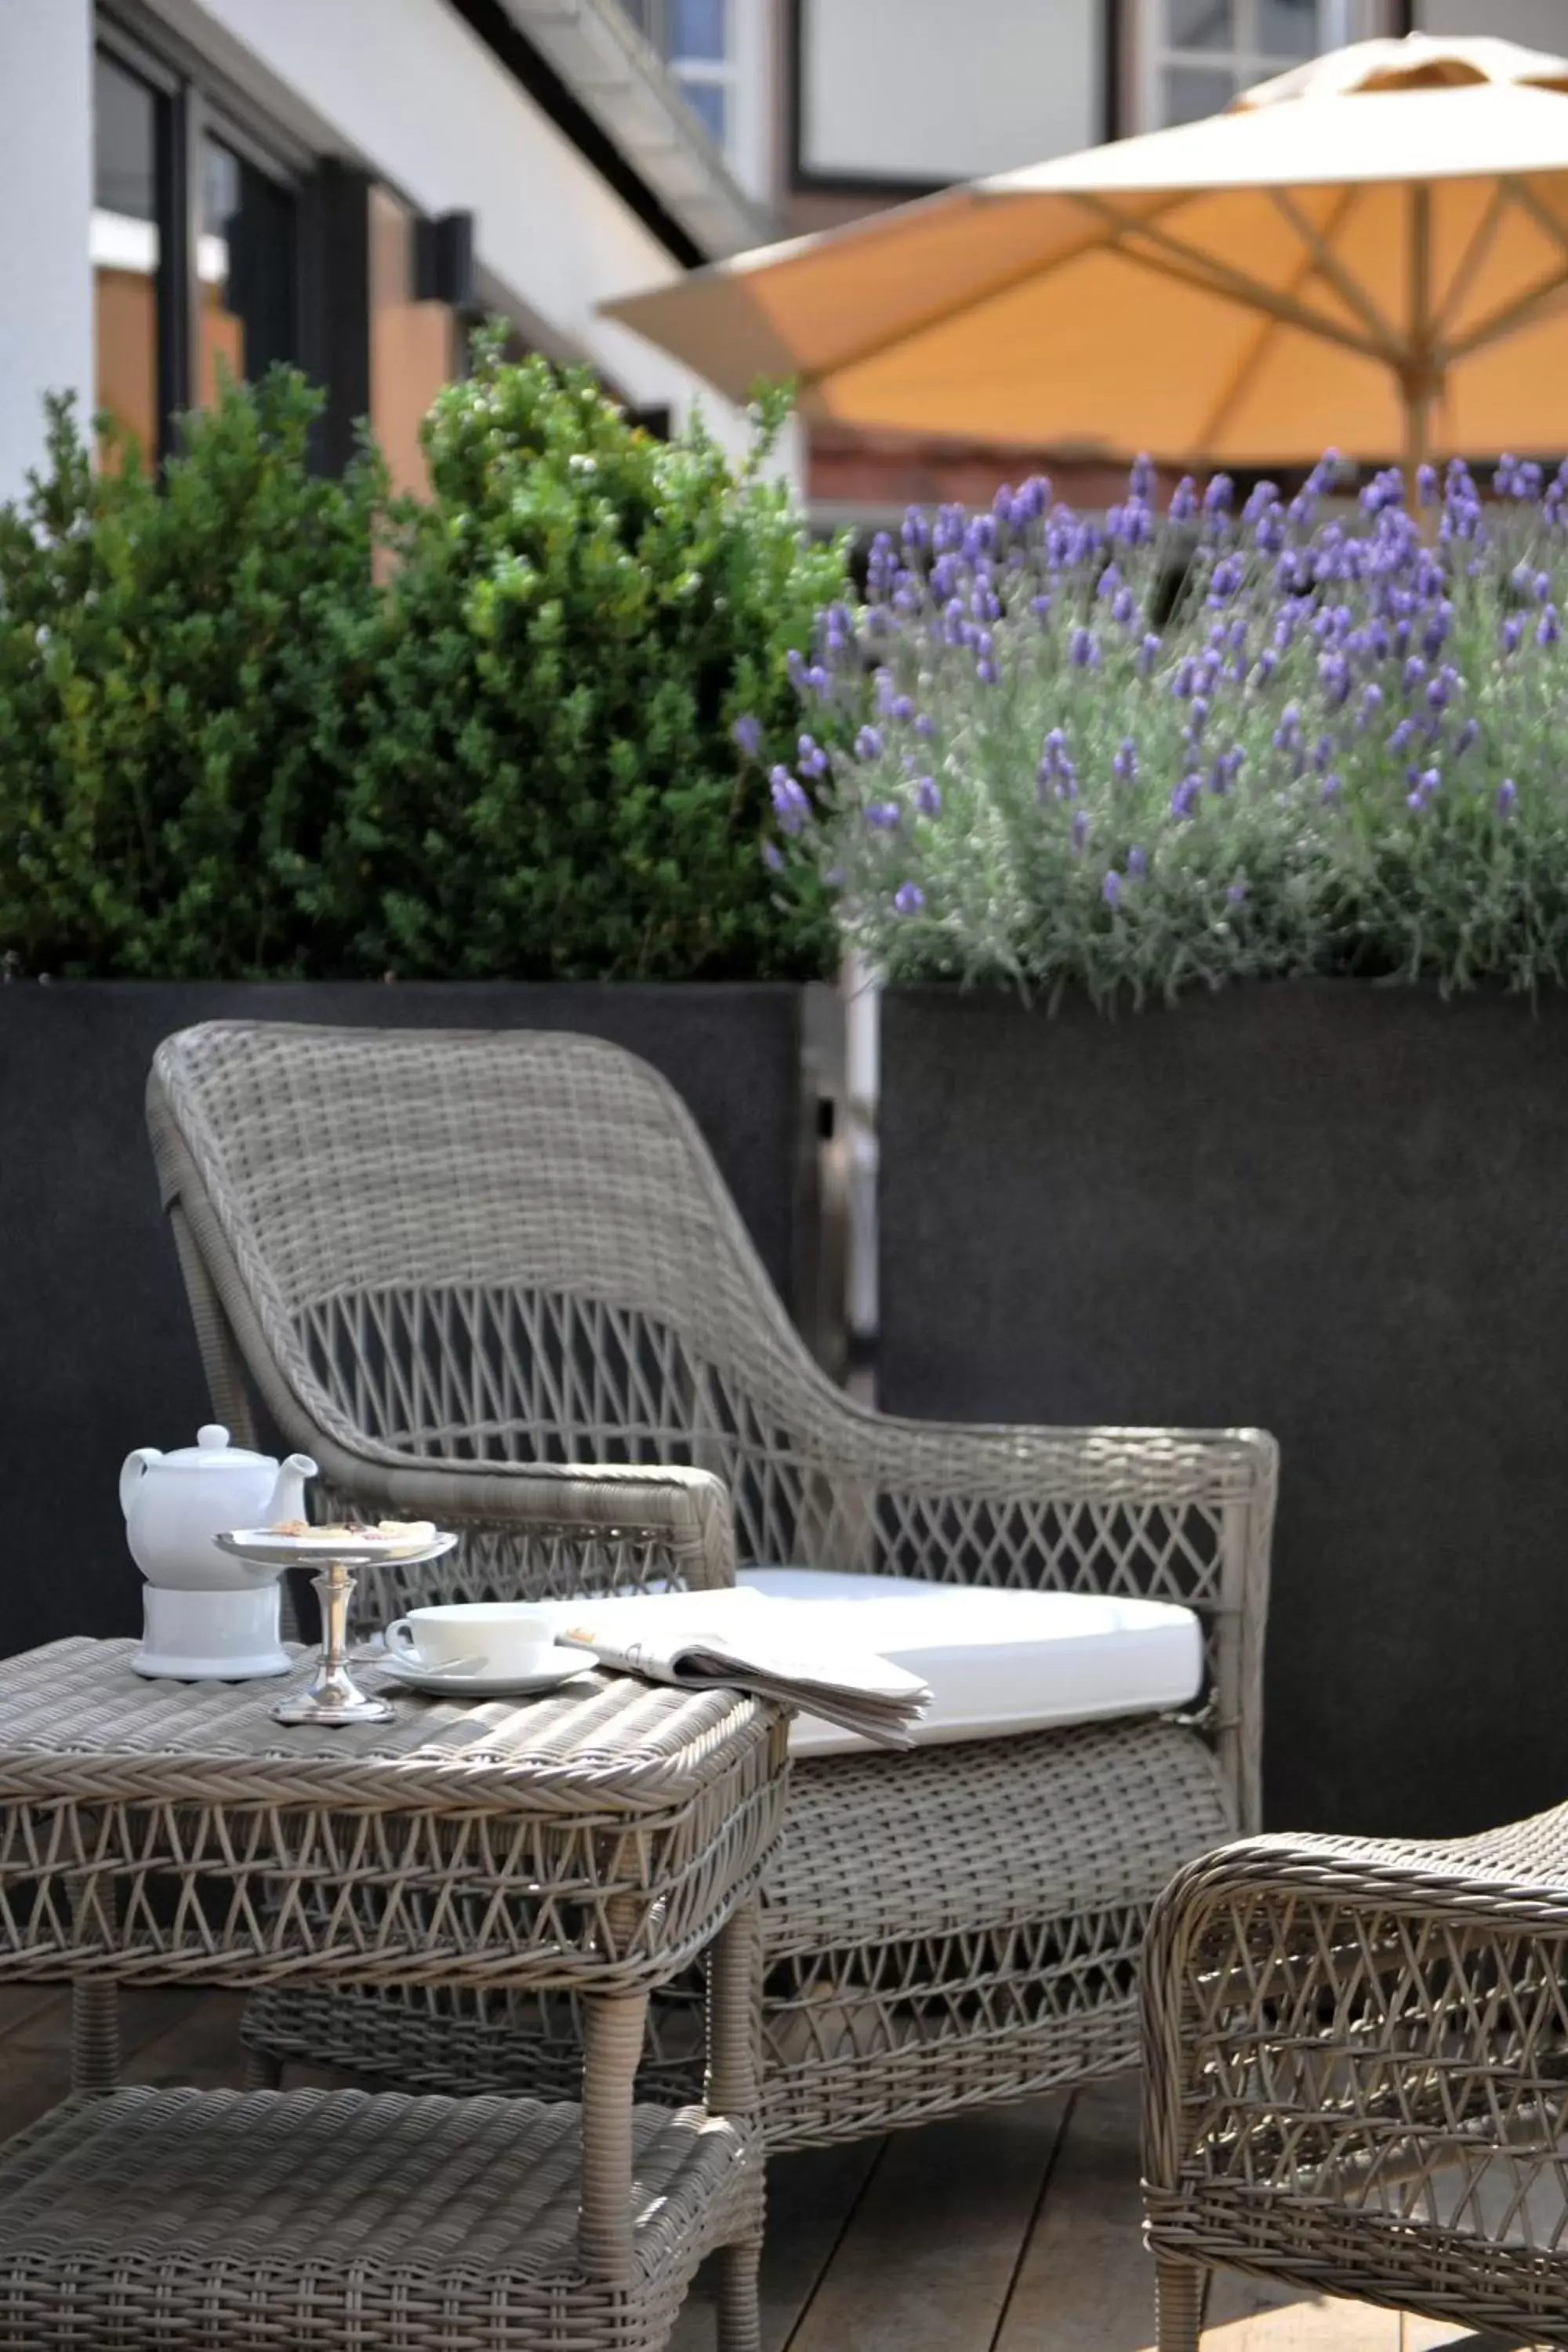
column 743, row 1641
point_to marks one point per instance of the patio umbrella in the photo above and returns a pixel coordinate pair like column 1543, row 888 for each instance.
column 1370, row 251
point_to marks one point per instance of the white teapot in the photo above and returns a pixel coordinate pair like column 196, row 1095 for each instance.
column 206, row 1613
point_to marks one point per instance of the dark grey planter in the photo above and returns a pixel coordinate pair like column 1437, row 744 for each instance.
column 96, row 1350
column 1336, row 1211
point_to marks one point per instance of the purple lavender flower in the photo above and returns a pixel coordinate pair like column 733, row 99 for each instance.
column 1288, row 734
column 811, row 759
column 747, row 735
column 1124, row 608
column 1083, row 651
column 1427, row 485
column 1079, row 830
column 1184, row 799
column 1140, row 480
column 1124, row 762
column 1111, row 889
column 909, row 899
column 987, row 671
column 772, row 856
column 1329, row 789
column 1507, row 798
column 1218, row 495
column 1184, row 501
column 928, row 795
column 1334, row 675
column 1512, row 630
column 1469, row 733
column 1040, row 606
column 792, row 806
column 1400, row 740
column 1137, row 863
column 1148, row 654
column 1424, row 789
column 1434, row 636
column 882, row 816
column 869, row 744
column 925, row 725
column 1548, row 629
column 1236, row 894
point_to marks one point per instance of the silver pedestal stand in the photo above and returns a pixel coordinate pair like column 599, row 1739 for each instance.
column 334, row 1696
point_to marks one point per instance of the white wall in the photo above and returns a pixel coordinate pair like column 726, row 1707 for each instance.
column 919, row 89
column 46, row 195
column 1538, row 24
column 417, row 97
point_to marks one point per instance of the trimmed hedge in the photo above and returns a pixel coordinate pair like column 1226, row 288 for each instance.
column 256, row 722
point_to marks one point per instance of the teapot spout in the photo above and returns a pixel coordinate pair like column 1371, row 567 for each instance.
column 288, row 1498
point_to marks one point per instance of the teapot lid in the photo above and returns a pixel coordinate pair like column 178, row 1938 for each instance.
column 212, row 1451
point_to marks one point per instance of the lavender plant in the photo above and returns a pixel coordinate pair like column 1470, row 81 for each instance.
column 1339, row 750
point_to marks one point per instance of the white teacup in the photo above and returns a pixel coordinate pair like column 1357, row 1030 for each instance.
column 474, row 1637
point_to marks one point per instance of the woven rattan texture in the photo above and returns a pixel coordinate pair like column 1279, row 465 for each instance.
column 166, row 1830
column 1358, row 2074
column 468, row 1271
column 312, row 2222
column 952, row 1978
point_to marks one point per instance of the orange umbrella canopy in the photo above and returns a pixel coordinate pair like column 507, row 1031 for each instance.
column 1370, row 252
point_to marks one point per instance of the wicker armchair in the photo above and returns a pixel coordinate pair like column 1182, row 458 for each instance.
column 1357, row 2077
column 446, row 1260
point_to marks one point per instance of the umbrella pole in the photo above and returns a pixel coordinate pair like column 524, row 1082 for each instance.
column 1419, row 375
column 1417, row 433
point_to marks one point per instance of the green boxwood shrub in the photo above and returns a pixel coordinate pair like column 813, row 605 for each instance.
column 551, row 783
column 176, row 666
column 254, row 720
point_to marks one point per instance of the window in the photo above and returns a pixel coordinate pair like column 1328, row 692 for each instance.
column 696, row 38
column 125, row 250
column 244, row 265
column 193, row 263
column 1202, row 52
column 221, row 246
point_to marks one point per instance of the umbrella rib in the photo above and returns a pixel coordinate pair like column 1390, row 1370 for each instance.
column 1541, row 215
column 1215, row 277
column 909, row 331
column 1329, row 267
column 1252, row 358
column 1474, row 253
column 1502, row 321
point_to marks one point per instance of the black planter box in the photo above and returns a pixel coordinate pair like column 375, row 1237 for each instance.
column 96, row 1350
column 1337, row 1212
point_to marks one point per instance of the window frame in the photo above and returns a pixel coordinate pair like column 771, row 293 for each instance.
column 1245, row 59
column 194, row 102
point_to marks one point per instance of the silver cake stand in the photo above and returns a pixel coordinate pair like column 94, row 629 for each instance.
column 334, row 1696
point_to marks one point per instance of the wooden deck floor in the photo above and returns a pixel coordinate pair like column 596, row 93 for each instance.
column 1015, row 2231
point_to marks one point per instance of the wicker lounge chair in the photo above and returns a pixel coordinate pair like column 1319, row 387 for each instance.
column 439, row 1259
column 1358, row 2077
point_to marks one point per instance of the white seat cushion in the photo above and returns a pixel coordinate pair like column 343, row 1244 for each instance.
column 997, row 1661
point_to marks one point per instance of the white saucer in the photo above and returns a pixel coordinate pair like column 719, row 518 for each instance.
column 564, row 1663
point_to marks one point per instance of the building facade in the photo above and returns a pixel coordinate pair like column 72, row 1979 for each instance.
column 214, row 184
column 198, row 186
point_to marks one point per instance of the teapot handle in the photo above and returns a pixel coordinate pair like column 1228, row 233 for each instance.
column 134, row 1469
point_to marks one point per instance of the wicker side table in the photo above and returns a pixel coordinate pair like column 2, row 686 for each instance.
column 591, row 1841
